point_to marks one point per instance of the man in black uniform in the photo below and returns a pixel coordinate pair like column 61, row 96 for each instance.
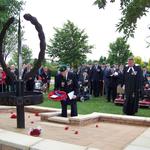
column 66, row 81
column 132, row 78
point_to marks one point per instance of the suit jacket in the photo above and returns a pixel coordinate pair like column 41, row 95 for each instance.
column 96, row 74
column 67, row 85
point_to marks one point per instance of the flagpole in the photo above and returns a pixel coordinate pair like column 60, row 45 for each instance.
column 20, row 84
column 19, row 51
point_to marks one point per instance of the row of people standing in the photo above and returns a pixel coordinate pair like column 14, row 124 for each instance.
column 107, row 80
column 102, row 79
column 43, row 75
column 7, row 84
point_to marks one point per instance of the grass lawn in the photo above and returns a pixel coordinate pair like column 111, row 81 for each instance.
column 96, row 105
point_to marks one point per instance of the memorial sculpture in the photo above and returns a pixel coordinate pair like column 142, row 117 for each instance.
column 20, row 97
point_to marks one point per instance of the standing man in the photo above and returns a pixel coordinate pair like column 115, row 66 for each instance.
column 96, row 76
column 66, row 81
column 132, row 78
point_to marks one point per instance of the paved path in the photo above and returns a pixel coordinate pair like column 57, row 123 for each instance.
column 107, row 136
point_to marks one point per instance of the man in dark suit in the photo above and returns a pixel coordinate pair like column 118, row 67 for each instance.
column 66, row 81
column 112, row 84
column 132, row 79
column 96, row 76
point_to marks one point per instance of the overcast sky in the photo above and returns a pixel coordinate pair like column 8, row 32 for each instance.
column 100, row 25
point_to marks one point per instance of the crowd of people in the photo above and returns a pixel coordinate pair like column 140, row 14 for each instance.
column 109, row 81
column 42, row 77
column 97, row 80
column 94, row 80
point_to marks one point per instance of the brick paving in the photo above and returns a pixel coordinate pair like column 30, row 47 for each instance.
column 107, row 136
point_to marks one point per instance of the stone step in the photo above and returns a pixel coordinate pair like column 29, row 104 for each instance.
column 83, row 120
column 40, row 109
column 124, row 119
column 50, row 144
column 58, row 119
column 46, row 115
column 16, row 141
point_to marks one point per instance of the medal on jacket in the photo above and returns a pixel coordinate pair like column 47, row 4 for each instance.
column 69, row 82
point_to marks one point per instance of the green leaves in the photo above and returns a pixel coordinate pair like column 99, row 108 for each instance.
column 9, row 8
column 131, row 11
column 69, row 45
column 119, row 52
column 100, row 3
column 26, row 55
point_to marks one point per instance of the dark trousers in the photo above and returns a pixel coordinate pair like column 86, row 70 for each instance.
column 73, row 104
column 2, row 88
column 131, row 104
column 112, row 93
column 30, row 85
column 101, row 88
column 91, row 87
column 96, row 88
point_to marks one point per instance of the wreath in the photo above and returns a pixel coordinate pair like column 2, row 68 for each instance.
column 57, row 95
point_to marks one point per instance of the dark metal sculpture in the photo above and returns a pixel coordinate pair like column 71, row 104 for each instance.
column 21, row 98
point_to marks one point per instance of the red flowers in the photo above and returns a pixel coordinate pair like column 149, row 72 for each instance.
column 13, row 116
column 37, row 114
column 97, row 126
column 76, row 132
column 35, row 131
column 66, row 128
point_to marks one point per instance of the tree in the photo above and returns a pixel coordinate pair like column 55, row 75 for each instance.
column 69, row 45
column 8, row 9
column 131, row 11
column 102, row 60
column 119, row 52
column 26, row 55
column 138, row 60
column 148, row 65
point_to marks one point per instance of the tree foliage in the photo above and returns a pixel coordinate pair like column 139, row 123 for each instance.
column 103, row 60
column 69, row 45
column 119, row 52
column 26, row 55
column 138, row 60
column 9, row 8
column 131, row 10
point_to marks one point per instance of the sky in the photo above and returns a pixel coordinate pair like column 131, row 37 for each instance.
column 100, row 25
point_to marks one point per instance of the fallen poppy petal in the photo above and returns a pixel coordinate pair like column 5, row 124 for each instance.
column 37, row 114
column 97, row 126
column 76, row 132
column 13, row 116
column 66, row 128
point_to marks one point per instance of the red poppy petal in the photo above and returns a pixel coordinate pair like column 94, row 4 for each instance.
column 76, row 132
column 37, row 114
column 66, row 128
